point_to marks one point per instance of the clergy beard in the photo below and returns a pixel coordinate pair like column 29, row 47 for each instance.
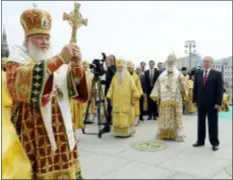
column 36, row 53
column 121, row 74
column 170, row 69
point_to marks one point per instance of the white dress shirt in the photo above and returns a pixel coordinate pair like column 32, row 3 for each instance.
column 151, row 74
column 208, row 71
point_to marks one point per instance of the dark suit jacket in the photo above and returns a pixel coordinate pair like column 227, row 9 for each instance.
column 110, row 72
column 143, row 82
column 160, row 71
column 148, row 83
column 210, row 94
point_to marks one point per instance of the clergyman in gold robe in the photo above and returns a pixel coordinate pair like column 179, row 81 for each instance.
column 123, row 95
column 184, row 71
column 79, row 109
column 15, row 163
column 190, row 106
column 169, row 91
column 131, row 67
column 225, row 101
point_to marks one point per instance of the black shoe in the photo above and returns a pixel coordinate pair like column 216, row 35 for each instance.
column 141, row 118
column 106, row 129
column 149, row 118
column 198, row 145
column 215, row 148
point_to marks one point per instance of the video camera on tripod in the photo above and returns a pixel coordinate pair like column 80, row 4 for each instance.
column 97, row 95
column 98, row 66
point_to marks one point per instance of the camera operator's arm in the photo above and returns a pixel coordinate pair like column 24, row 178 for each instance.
column 113, row 70
column 110, row 93
column 109, row 75
column 103, row 81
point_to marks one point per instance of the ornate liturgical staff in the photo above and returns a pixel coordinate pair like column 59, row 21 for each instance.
column 75, row 20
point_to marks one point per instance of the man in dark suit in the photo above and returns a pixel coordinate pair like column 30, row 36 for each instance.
column 143, row 66
column 160, row 67
column 151, row 76
column 109, row 73
column 207, row 94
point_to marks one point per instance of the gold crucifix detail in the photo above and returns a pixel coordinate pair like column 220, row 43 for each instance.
column 75, row 20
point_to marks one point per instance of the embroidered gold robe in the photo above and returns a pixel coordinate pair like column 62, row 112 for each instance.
column 121, row 94
column 79, row 109
column 139, row 88
column 186, row 77
column 191, row 107
column 15, row 163
column 169, row 91
column 225, row 102
column 47, row 141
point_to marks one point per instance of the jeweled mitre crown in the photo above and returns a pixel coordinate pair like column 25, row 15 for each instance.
column 36, row 21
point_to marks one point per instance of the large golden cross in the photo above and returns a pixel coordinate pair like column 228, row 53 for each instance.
column 75, row 20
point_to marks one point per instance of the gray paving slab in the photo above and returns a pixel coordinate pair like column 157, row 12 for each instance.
column 137, row 170
column 184, row 176
column 221, row 175
column 112, row 158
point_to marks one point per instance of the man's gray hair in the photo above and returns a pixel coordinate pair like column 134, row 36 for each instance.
column 209, row 58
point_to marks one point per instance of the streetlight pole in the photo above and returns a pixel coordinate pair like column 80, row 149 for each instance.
column 190, row 46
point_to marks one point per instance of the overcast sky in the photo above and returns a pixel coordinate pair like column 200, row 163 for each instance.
column 135, row 31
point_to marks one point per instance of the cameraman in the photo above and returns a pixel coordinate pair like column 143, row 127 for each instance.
column 109, row 73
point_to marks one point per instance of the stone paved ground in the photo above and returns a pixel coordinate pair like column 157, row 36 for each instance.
column 112, row 158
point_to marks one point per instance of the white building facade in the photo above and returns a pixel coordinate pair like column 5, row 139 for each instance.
column 184, row 61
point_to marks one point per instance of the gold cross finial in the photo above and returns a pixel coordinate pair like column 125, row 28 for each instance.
column 75, row 20
column 34, row 5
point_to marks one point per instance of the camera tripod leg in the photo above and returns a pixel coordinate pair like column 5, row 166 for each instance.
column 98, row 97
column 99, row 120
column 85, row 118
column 100, row 135
column 83, row 130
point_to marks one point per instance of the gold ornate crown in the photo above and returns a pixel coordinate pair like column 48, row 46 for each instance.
column 171, row 57
column 36, row 21
column 130, row 64
column 120, row 63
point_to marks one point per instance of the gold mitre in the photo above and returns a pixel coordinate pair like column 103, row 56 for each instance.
column 171, row 57
column 36, row 21
column 120, row 63
column 130, row 64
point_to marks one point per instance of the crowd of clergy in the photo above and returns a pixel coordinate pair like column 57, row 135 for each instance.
column 134, row 94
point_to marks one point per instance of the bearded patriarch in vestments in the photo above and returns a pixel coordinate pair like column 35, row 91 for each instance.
column 170, row 90
column 123, row 95
column 41, row 86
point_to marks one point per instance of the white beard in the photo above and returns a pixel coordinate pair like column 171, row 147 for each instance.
column 170, row 69
column 121, row 75
column 37, row 54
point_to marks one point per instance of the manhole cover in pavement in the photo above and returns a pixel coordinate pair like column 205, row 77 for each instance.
column 228, row 169
column 150, row 146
